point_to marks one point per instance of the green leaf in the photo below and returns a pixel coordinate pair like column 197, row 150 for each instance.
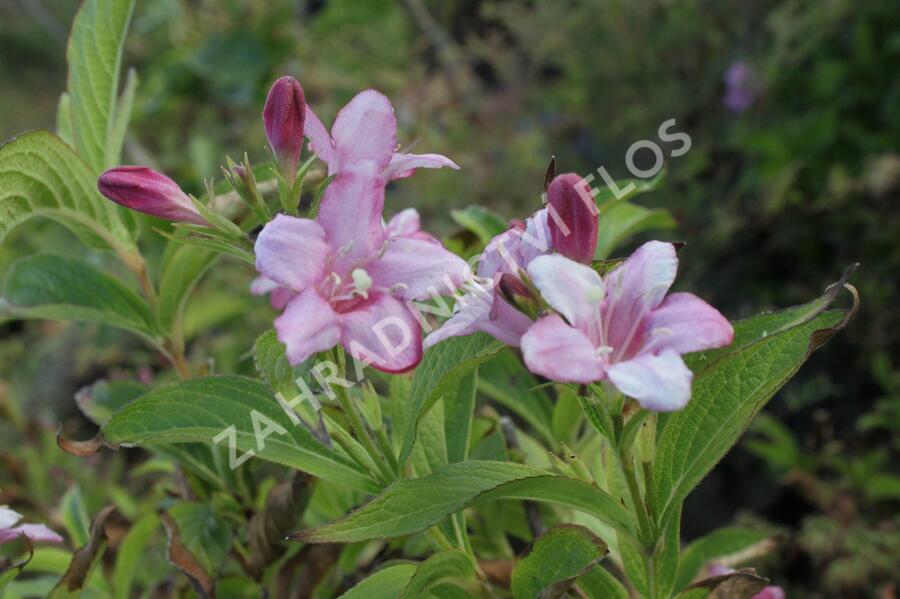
column 386, row 583
column 440, row 368
column 64, row 119
column 506, row 380
column 75, row 516
column 131, row 552
column 607, row 200
column 98, row 402
column 183, row 266
column 94, row 54
column 42, row 176
column 203, row 532
column 598, row 583
column 122, row 117
column 554, row 561
column 231, row 409
column 271, row 362
column 437, row 568
column 53, row 287
column 459, row 408
column 718, row 544
column 409, row 506
column 625, row 220
column 480, row 221
column 727, row 394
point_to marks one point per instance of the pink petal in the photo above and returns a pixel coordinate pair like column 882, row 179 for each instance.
column 365, row 131
column 39, row 533
column 515, row 248
column 418, row 269
column 572, row 289
column 405, row 223
column 319, row 140
column 685, row 323
column 283, row 117
column 145, row 190
column 661, row 383
column 557, row 351
column 279, row 297
column 483, row 310
column 384, row 333
column 536, row 240
column 771, row 592
column 292, row 252
column 573, row 221
column 308, row 325
column 351, row 216
column 635, row 288
column 404, row 165
column 8, row 517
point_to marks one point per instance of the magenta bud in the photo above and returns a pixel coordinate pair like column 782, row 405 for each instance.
column 572, row 218
column 145, row 190
column 283, row 116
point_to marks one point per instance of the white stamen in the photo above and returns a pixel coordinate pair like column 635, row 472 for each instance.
column 604, row 350
column 594, row 294
column 361, row 281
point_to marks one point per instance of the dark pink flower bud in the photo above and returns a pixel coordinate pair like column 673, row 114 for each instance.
column 283, row 116
column 572, row 218
column 145, row 190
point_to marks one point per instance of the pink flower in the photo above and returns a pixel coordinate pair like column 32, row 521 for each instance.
column 483, row 307
column 573, row 218
column 283, row 116
column 145, row 190
column 622, row 327
column 350, row 278
column 36, row 532
column 369, row 113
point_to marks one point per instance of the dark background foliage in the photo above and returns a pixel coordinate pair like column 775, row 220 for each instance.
column 774, row 200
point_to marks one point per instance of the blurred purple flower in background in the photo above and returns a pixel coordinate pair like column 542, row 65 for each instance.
column 740, row 86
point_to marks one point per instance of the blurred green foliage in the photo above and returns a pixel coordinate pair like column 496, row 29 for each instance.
column 775, row 200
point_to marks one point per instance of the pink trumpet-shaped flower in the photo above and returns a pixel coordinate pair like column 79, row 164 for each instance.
column 283, row 117
column 573, row 218
column 145, row 190
column 483, row 307
column 9, row 531
column 621, row 327
column 364, row 135
column 350, row 279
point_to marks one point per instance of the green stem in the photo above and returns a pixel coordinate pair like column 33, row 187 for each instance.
column 385, row 445
column 640, row 507
column 362, row 434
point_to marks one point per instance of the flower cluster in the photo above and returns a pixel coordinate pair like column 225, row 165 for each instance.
column 345, row 276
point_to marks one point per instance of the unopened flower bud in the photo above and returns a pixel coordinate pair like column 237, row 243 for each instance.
column 283, row 116
column 145, row 190
column 572, row 218
column 519, row 295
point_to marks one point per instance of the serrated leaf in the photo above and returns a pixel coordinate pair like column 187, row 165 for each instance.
column 437, row 568
column 53, row 287
column 718, row 544
column 94, row 54
column 98, row 402
column 386, row 583
column 554, row 561
column 726, row 396
column 625, row 220
column 202, row 532
column 441, row 366
column 409, row 506
column 271, row 362
column 42, row 176
column 199, row 410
